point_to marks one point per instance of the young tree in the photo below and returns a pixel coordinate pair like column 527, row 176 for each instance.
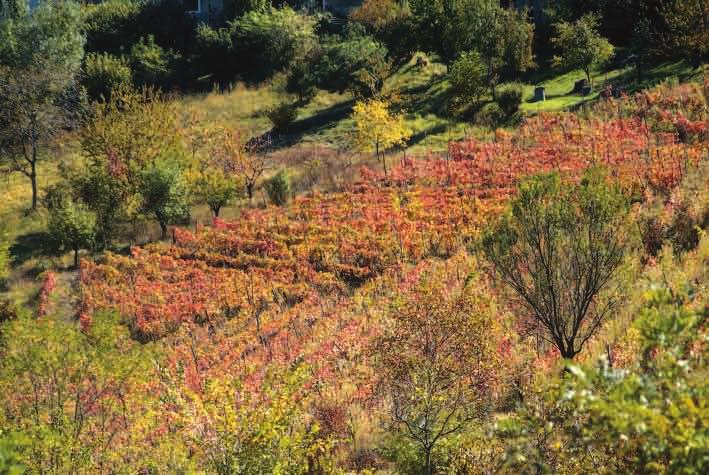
column 378, row 129
column 233, row 157
column 164, row 193
column 237, row 429
column 216, row 188
column 468, row 77
column 581, row 45
column 560, row 248
column 72, row 226
column 40, row 56
column 437, row 357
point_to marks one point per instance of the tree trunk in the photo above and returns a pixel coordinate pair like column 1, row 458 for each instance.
column 33, row 177
column 429, row 465
column 76, row 257
column 216, row 210
column 163, row 228
column 250, row 191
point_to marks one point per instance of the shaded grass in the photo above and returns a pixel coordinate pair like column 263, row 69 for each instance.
column 422, row 93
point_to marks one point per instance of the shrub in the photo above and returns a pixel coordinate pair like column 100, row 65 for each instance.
column 111, row 26
column 104, row 73
column 214, row 47
column 236, row 8
column 391, row 23
column 271, row 40
column 278, row 188
column 491, row 115
column 468, row 77
column 509, row 98
column 356, row 62
column 151, row 64
column 283, row 115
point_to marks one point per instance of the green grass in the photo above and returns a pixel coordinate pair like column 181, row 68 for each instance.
column 26, row 232
column 422, row 93
column 559, row 88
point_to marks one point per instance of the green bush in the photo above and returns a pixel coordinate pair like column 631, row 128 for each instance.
column 509, row 98
column 111, row 26
column 114, row 26
column 237, row 8
column 104, row 73
column 491, row 115
column 270, row 40
column 278, row 188
column 355, row 62
column 468, row 77
column 283, row 115
column 151, row 64
column 214, row 47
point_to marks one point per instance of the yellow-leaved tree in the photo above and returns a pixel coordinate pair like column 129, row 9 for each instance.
column 378, row 129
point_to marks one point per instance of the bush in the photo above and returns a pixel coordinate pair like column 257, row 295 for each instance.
column 509, row 98
column 468, row 77
column 214, row 47
column 283, row 115
column 104, row 73
column 356, row 62
column 278, row 188
column 491, row 115
column 111, row 26
column 151, row 64
column 390, row 23
column 271, row 40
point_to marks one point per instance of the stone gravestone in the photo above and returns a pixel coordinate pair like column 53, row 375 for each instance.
column 586, row 90
column 540, row 94
column 579, row 85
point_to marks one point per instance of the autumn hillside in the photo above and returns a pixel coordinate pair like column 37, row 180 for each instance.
column 419, row 237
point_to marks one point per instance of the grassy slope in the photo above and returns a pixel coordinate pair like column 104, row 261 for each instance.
column 421, row 93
